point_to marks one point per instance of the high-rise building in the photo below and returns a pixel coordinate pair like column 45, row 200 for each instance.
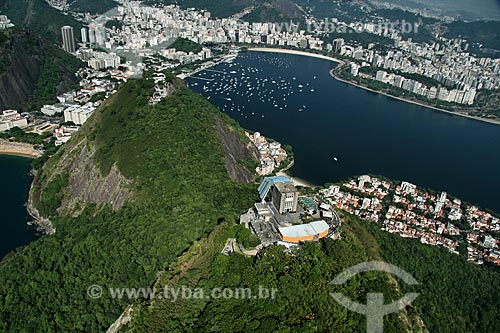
column 337, row 44
column 100, row 35
column 68, row 39
column 85, row 35
column 92, row 36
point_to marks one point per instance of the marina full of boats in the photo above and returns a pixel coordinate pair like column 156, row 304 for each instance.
column 248, row 91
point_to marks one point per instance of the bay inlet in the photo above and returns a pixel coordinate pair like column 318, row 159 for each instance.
column 16, row 181
column 339, row 131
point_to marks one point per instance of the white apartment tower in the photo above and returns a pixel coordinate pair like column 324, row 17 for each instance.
column 68, row 39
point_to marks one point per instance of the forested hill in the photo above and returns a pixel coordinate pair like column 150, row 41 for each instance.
column 40, row 17
column 455, row 296
column 32, row 70
column 135, row 188
column 263, row 10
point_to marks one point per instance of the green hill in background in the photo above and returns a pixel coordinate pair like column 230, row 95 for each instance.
column 264, row 11
column 92, row 6
column 486, row 33
column 32, row 70
column 186, row 45
column 40, row 17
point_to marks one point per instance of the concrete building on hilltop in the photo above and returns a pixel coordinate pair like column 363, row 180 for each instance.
column 284, row 197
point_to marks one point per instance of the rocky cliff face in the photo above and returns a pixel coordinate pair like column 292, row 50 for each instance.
column 235, row 153
column 26, row 58
column 27, row 55
column 87, row 185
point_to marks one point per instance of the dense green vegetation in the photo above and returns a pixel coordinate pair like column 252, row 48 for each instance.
column 5, row 45
column 50, row 199
column 57, row 72
column 57, row 76
column 486, row 33
column 18, row 135
column 245, row 237
column 456, row 296
column 360, row 38
column 186, row 45
column 417, row 26
column 301, row 279
column 181, row 191
column 92, row 6
column 40, row 17
column 274, row 11
column 220, row 8
column 114, row 24
column 346, row 11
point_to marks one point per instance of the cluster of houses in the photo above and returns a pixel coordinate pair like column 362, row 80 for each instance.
column 410, row 212
column 271, row 153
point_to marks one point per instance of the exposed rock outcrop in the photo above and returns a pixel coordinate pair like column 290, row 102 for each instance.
column 18, row 83
column 235, row 151
column 87, row 185
column 27, row 55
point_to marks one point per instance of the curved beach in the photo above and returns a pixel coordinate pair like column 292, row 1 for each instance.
column 295, row 52
column 494, row 122
column 18, row 149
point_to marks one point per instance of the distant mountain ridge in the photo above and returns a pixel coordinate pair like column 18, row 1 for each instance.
column 263, row 11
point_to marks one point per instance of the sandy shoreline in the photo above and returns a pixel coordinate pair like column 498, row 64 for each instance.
column 295, row 52
column 296, row 181
column 18, row 149
column 494, row 122
column 314, row 55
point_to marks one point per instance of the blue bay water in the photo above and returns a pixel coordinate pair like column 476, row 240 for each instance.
column 367, row 132
column 14, row 190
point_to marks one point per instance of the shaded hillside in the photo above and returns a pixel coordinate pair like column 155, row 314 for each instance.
column 486, row 33
column 274, row 11
column 456, row 296
column 92, row 6
column 186, row 45
column 40, row 17
column 265, row 11
column 32, row 71
column 131, row 191
column 220, row 8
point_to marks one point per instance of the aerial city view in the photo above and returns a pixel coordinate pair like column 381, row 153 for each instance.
column 250, row 166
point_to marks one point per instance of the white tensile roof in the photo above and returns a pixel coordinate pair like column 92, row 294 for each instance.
column 304, row 230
